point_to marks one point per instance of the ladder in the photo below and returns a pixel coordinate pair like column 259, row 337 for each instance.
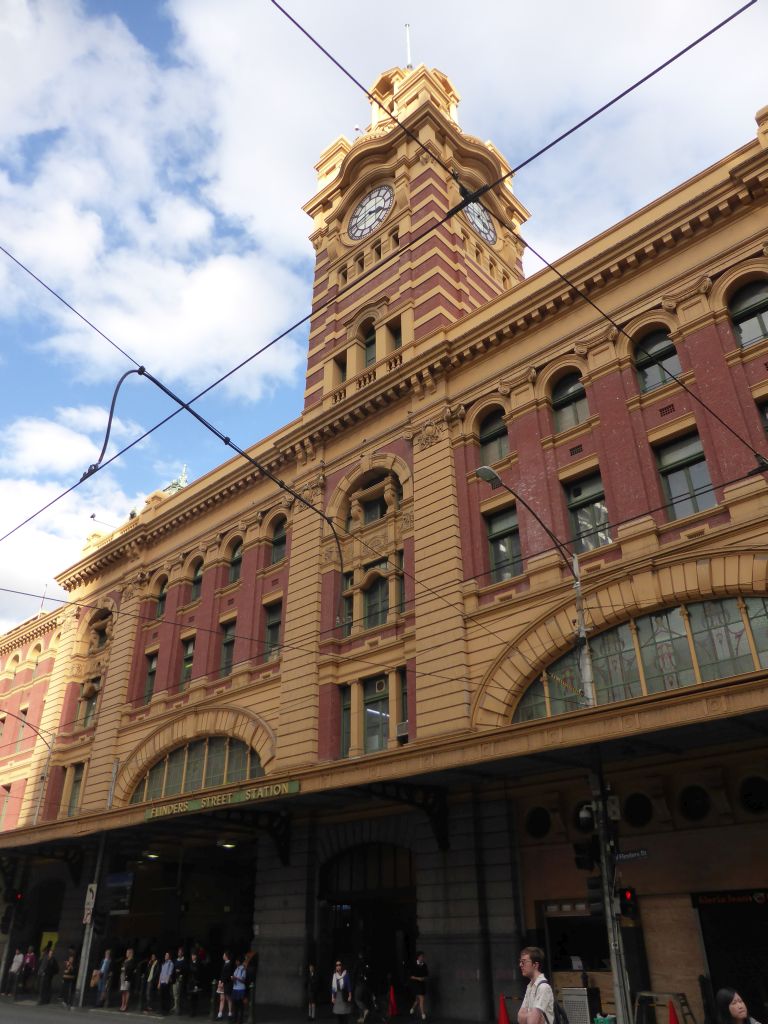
column 661, row 1000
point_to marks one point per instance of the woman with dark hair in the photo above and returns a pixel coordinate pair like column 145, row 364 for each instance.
column 731, row 1008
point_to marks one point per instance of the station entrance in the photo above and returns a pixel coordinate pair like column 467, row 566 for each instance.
column 367, row 906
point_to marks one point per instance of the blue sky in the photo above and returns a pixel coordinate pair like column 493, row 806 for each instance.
column 154, row 158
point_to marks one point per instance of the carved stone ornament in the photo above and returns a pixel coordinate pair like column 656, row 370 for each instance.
column 670, row 305
column 580, row 349
column 765, row 249
column 428, row 433
column 504, row 388
column 406, row 521
column 531, row 375
column 329, row 552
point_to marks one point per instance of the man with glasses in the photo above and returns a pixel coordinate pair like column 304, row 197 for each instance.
column 538, row 1005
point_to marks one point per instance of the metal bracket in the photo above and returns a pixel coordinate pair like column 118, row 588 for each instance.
column 429, row 799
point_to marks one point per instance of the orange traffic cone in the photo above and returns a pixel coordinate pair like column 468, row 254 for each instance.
column 392, row 1007
column 504, row 1016
column 673, row 1018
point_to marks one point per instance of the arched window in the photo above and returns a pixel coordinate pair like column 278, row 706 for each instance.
column 749, row 312
column 653, row 654
column 569, row 402
column 368, row 334
column 197, row 580
column 235, row 561
column 655, row 359
column 494, row 439
column 200, row 764
column 162, row 594
column 277, row 553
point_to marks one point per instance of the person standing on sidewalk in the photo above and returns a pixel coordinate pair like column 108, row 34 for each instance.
column 68, row 976
column 49, row 968
column 13, row 973
column 180, row 981
column 127, row 976
column 419, row 975
column 164, row 984
column 538, row 1006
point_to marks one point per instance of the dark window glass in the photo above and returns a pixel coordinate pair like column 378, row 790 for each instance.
column 614, row 664
column 235, row 562
column 346, row 723
column 375, row 714
column 174, row 772
column 187, row 657
column 149, row 681
column 588, row 513
column 348, row 602
column 214, row 765
column 504, row 545
column 685, row 477
column 655, row 359
column 376, row 603
column 749, row 313
column 720, row 639
column 374, row 509
column 278, row 542
column 273, row 615
column 162, row 593
column 197, row 581
column 74, row 793
column 569, row 402
column 664, row 650
column 494, row 438
column 227, row 647
column 369, row 345
column 757, row 611
column 532, row 705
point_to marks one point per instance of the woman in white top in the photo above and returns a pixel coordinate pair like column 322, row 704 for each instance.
column 341, row 994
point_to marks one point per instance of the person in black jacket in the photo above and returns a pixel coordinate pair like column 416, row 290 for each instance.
column 49, row 968
column 127, row 979
column 194, row 982
column 225, row 986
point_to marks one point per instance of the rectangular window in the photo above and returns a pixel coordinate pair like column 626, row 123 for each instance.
column 400, row 563
column 664, row 651
column 187, row 657
column 374, row 509
column 588, row 513
column 369, row 348
column 74, row 794
column 174, row 772
column 272, row 622
column 719, row 639
column 346, row 720
column 197, row 583
column 375, row 714
column 376, row 603
column 156, row 780
column 89, row 698
column 348, row 602
column 5, row 799
column 504, row 545
column 23, row 712
column 340, row 369
column 763, row 410
column 214, row 769
column 149, row 681
column 685, row 477
column 193, row 773
column 227, row 647
column 402, row 680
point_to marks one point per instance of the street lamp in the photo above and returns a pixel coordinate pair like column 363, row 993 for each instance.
column 490, row 476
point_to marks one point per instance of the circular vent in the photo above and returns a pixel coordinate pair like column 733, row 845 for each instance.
column 753, row 793
column 538, row 822
column 638, row 810
column 694, row 803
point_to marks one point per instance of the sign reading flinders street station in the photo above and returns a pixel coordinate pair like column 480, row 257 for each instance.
column 243, row 795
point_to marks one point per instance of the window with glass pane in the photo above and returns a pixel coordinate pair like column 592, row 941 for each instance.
column 278, row 542
column 749, row 313
column 193, row 776
column 494, row 438
column 161, row 598
column 369, row 345
column 614, row 666
column 255, row 771
column 402, row 682
column 197, row 581
column 235, row 562
column 569, row 402
column 375, row 714
column 237, row 761
column 227, row 647
column 588, row 513
column 174, row 772
column 376, row 603
column 400, row 563
column 504, row 545
column 149, row 681
column 532, row 705
column 655, row 360
column 564, row 684
column 74, row 793
column 346, row 721
column 719, row 639
column 757, row 613
column 348, row 603
column 374, row 509
column 90, row 698
column 685, row 477
column 139, row 794
column 156, row 780
column 664, row 651
column 273, row 621
column 187, row 657
column 214, row 766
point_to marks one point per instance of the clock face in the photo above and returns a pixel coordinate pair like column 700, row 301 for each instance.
column 479, row 219
column 370, row 212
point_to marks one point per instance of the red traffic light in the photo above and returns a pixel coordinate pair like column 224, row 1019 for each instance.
column 628, row 901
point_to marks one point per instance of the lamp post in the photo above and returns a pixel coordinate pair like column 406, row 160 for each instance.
column 490, row 476
column 607, row 864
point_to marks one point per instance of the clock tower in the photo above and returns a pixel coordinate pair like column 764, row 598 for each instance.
column 391, row 274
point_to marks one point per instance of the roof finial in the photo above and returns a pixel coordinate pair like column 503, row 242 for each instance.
column 409, row 65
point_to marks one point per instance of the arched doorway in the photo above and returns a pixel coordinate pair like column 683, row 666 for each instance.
column 367, row 904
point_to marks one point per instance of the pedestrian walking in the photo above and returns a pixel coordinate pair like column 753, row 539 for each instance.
column 224, row 987
column 419, row 975
column 238, row 991
column 341, row 994
column 127, row 978
column 105, row 979
column 68, row 976
column 28, row 967
column 312, row 987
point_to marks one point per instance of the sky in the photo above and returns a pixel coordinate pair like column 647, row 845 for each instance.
column 154, row 159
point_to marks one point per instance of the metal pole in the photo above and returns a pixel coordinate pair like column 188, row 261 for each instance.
column 615, row 942
column 585, row 654
column 43, row 781
column 85, row 954
column 6, row 951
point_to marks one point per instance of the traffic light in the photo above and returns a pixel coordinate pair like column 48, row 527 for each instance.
column 587, row 854
column 595, row 901
column 628, row 902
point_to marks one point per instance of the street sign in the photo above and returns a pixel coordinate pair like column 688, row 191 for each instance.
column 90, row 903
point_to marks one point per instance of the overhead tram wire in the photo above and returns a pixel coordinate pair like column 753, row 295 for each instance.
column 541, row 652
column 383, row 262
